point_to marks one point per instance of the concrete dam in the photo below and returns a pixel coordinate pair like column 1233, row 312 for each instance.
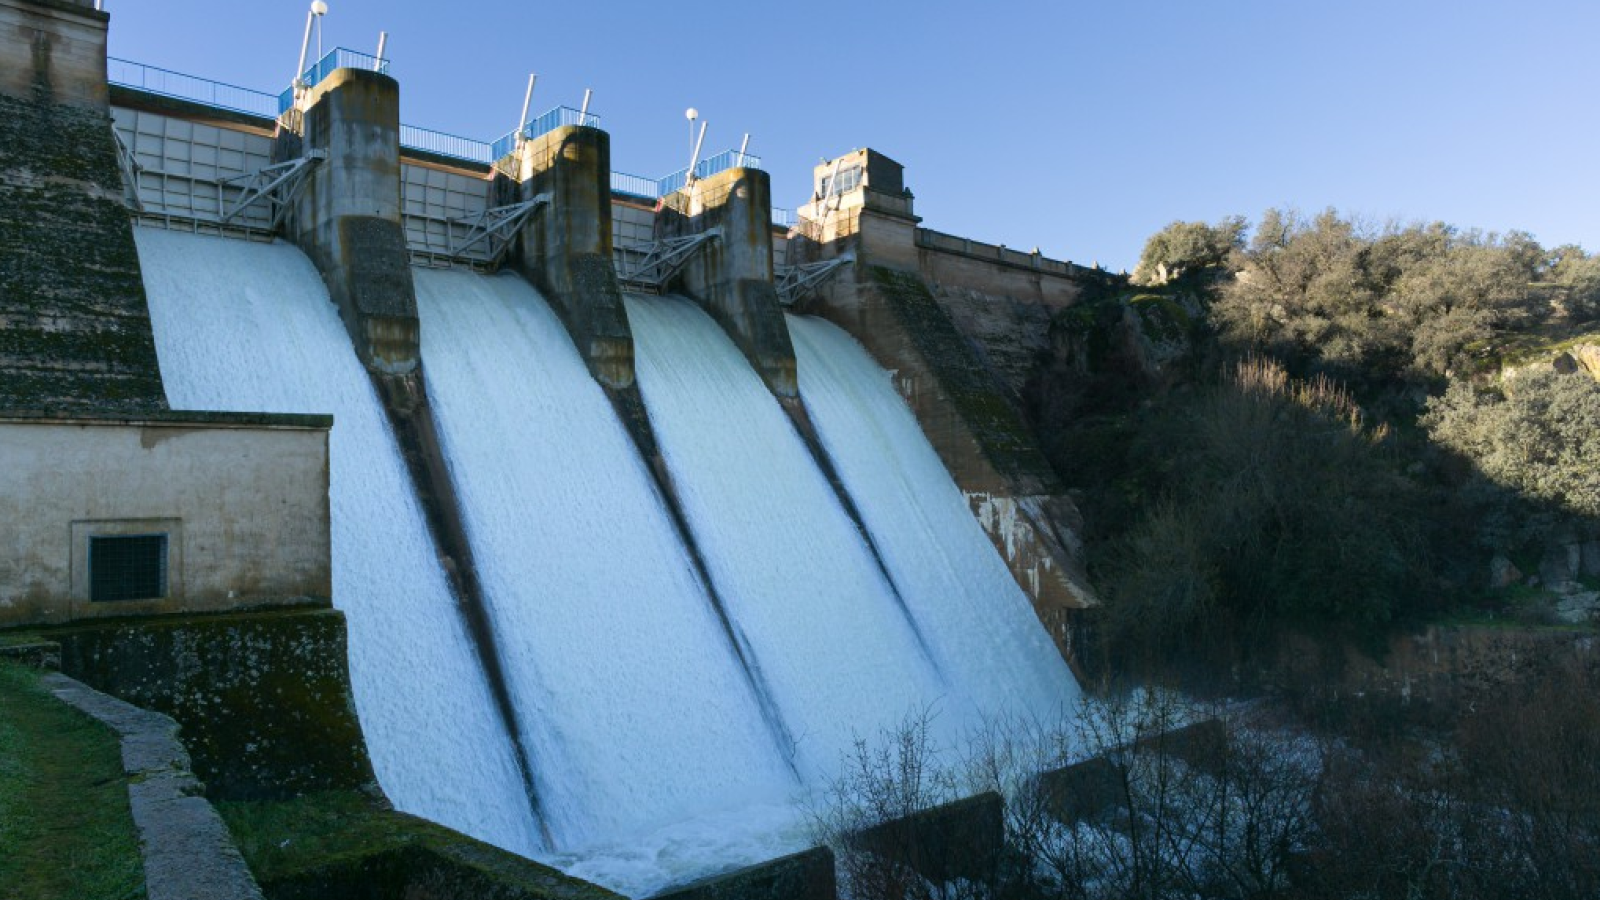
column 640, row 508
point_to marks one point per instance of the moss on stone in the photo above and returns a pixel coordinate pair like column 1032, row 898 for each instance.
column 1002, row 435
column 345, row 844
column 263, row 698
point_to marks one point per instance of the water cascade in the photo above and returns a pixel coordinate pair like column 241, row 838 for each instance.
column 249, row 326
column 668, row 735
column 801, row 585
column 635, row 710
column 979, row 625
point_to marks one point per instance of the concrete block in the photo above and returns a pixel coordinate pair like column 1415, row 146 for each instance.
column 807, row 875
column 959, row 840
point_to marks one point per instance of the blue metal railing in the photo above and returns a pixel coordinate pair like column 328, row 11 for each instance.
column 784, row 218
column 550, row 121
column 455, row 146
column 707, row 167
column 337, row 58
column 187, row 87
column 634, row 185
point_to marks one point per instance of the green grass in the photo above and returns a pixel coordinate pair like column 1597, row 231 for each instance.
column 306, row 834
column 65, row 828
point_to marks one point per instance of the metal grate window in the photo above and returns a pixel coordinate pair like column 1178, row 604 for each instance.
column 127, row 567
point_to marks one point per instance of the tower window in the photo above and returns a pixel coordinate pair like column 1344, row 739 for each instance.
column 127, row 567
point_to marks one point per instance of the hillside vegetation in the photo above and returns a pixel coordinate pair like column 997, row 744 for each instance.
column 1327, row 427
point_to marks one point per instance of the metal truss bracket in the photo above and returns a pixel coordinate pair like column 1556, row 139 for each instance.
column 497, row 227
column 276, row 186
column 795, row 282
column 130, row 172
column 649, row 266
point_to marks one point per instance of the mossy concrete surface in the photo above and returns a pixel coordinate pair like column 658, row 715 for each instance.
column 346, row 845
column 263, row 698
column 808, row 875
column 74, row 324
column 65, row 827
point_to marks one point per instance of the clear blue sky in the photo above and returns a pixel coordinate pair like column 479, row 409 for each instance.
column 1076, row 127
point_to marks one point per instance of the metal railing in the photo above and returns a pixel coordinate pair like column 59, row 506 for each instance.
column 337, row 58
column 784, row 218
column 451, row 145
column 550, row 121
column 707, row 167
column 634, row 185
column 187, row 87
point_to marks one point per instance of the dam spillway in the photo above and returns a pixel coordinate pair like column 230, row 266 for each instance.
column 633, row 704
column 243, row 325
column 641, row 708
column 974, row 617
column 802, row 588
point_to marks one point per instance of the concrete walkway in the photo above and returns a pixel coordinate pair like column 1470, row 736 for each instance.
column 188, row 853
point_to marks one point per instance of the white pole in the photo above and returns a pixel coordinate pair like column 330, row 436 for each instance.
column 743, row 146
column 305, row 44
column 383, row 41
column 526, row 99
column 694, row 158
column 584, row 113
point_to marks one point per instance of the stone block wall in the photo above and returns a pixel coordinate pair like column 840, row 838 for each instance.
column 74, row 324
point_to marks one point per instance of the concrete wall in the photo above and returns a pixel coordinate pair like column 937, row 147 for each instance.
column 565, row 249
column 242, row 498
column 55, row 52
column 348, row 217
column 731, row 276
column 74, row 326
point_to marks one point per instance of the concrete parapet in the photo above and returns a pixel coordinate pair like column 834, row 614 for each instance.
column 347, row 219
column 186, row 849
column 959, row 840
column 807, row 875
column 731, row 277
column 565, row 249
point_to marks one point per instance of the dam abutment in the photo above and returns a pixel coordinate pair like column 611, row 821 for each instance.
column 76, row 330
column 890, row 301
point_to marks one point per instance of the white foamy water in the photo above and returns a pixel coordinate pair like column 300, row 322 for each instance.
column 249, row 327
column 637, row 714
column 980, row 625
column 794, row 572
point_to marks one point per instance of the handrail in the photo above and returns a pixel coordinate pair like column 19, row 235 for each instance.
column 544, row 124
column 337, row 58
column 727, row 159
column 166, row 83
column 451, row 145
column 634, row 185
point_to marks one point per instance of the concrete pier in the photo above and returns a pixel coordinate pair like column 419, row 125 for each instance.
column 347, row 219
column 731, row 277
column 565, row 249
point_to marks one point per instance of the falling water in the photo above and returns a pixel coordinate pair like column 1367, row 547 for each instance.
column 247, row 326
column 981, row 627
column 642, row 725
column 799, row 580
